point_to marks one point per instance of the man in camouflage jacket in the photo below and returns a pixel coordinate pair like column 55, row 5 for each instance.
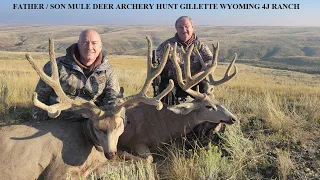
column 84, row 72
column 184, row 38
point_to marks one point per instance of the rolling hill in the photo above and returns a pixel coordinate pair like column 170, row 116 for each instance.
column 290, row 48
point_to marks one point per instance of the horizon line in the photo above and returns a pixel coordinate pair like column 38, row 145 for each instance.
column 162, row 25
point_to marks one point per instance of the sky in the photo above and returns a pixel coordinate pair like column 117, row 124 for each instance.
column 307, row 15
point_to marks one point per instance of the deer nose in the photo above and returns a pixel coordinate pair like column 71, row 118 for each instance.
column 234, row 119
column 110, row 155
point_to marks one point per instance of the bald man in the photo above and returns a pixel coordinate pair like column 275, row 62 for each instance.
column 84, row 72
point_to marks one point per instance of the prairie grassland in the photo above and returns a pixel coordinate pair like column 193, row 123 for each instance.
column 277, row 137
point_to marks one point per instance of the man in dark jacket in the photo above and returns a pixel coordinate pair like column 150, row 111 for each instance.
column 84, row 72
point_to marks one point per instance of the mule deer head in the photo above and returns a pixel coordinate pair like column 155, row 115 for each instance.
column 209, row 108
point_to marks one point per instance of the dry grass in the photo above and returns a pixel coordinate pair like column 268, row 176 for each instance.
column 228, row 161
column 285, row 165
column 126, row 171
column 128, row 76
column 278, row 110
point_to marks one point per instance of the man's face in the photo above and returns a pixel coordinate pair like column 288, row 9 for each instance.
column 90, row 47
column 184, row 29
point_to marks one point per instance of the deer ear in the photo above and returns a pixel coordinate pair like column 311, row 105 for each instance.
column 184, row 108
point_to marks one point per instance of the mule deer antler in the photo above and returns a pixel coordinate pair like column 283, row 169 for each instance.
column 227, row 75
column 152, row 73
column 92, row 110
column 190, row 81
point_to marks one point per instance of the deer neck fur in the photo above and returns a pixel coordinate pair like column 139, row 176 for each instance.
column 147, row 125
column 88, row 133
column 178, row 124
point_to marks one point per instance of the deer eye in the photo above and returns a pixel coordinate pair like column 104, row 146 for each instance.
column 210, row 108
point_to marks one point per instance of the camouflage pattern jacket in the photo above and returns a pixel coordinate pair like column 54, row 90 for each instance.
column 195, row 65
column 101, row 86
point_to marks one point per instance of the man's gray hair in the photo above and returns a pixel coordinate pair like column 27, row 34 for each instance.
column 183, row 18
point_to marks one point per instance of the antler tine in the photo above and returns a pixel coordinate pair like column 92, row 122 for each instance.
column 55, row 74
column 215, row 50
column 151, row 74
column 149, row 65
column 166, row 91
column 176, row 65
column 187, row 69
column 190, row 80
column 226, row 77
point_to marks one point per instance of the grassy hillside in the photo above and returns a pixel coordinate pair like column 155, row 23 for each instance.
column 277, row 137
column 292, row 48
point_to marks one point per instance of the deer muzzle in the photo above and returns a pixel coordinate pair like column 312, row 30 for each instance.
column 110, row 155
column 232, row 120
